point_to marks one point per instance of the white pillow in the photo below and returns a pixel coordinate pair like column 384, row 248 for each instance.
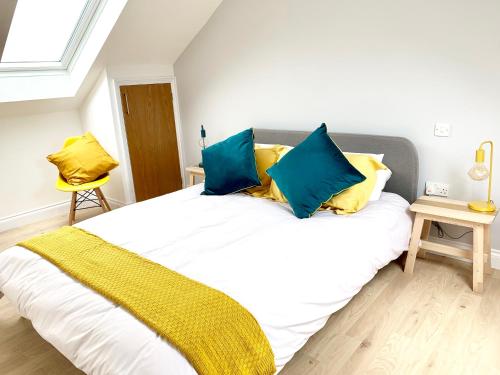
column 383, row 176
column 377, row 157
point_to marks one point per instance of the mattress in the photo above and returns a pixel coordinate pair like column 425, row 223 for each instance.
column 290, row 274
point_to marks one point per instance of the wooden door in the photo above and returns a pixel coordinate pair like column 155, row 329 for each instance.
column 152, row 140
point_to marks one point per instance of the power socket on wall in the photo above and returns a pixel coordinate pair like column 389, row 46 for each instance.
column 438, row 189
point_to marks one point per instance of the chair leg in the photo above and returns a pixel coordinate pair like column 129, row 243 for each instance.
column 101, row 202
column 104, row 203
column 72, row 209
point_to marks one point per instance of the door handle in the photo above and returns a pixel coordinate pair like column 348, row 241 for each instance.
column 126, row 103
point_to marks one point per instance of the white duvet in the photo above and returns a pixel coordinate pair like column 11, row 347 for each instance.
column 290, row 274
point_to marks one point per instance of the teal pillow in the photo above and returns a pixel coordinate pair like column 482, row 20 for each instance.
column 312, row 172
column 230, row 165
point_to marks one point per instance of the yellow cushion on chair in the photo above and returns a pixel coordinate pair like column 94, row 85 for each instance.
column 82, row 160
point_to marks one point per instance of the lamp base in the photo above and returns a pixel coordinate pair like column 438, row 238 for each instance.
column 482, row 206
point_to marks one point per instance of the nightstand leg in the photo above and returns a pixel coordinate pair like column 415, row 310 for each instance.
column 426, row 230
column 487, row 250
column 414, row 243
column 191, row 179
column 478, row 259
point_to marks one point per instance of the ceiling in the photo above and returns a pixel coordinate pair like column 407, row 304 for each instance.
column 156, row 33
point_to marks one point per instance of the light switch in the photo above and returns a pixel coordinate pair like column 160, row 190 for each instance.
column 442, row 129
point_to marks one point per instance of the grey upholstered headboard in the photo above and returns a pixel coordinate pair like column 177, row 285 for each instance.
column 400, row 154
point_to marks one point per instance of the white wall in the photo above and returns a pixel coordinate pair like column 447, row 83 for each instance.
column 28, row 179
column 385, row 67
column 97, row 117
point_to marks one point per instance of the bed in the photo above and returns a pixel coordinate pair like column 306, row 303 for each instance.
column 290, row 274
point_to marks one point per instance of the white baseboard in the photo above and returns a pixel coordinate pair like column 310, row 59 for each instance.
column 43, row 213
column 32, row 216
column 495, row 253
column 495, row 259
column 115, row 203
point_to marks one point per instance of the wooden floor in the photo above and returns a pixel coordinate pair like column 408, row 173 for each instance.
column 431, row 323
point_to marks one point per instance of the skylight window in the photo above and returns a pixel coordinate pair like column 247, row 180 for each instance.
column 50, row 45
column 44, row 34
column 41, row 30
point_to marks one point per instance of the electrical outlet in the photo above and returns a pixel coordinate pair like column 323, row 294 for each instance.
column 442, row 130
column 439, row 189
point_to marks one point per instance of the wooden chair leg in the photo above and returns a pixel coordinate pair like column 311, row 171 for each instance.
column 414, row 243
column 106, row 202
column 478, row 259
column 102, row 200
column 72, row 209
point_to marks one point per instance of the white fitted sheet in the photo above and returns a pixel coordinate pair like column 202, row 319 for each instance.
column 290, row 274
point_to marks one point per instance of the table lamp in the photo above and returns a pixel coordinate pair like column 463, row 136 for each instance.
column 479, row 172
column 203, row 135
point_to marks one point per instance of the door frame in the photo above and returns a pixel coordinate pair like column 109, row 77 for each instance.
column 116, row 101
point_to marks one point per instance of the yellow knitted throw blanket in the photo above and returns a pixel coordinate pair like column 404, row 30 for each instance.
column 214, row 332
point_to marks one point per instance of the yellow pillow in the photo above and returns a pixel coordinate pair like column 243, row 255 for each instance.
column 265, row 156
column 83, row 161
column 356, row 197
column 274, row 192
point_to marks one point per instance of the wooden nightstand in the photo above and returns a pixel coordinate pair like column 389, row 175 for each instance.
column 429, row 209
column 193, row 172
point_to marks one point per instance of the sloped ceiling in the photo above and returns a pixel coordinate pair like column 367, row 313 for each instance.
column 147, row 32
column 156, row 31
